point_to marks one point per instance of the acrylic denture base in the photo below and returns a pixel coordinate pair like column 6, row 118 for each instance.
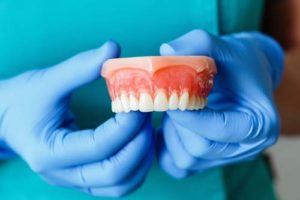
column 159, row 83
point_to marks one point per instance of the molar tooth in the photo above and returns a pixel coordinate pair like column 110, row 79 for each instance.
column 183, row 101
column 160, row 101
column 133, row 102
column 192, row 103
column 145, row 102
column 173, row 101
column 125, row 102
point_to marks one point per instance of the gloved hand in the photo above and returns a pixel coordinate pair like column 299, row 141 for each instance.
column 241, row 119
column 36, row 123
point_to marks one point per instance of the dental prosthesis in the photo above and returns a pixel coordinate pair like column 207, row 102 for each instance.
column 159, row 83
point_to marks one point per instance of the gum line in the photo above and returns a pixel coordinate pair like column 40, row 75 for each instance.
column 168, row 80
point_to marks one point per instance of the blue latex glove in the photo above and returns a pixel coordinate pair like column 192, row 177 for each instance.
column 241, row 119
column 5, row 151
column 36, row 123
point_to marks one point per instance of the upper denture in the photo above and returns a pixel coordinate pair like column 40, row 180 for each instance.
column 159, row 83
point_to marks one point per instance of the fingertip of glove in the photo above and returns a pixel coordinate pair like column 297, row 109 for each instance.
column 166, row 49
column 195, row 42
column 111, row 47
column 167, row 164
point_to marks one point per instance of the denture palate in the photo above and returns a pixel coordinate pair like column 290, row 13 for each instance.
column 159, row 83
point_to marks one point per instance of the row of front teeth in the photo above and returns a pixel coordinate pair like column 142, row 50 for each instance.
column 145, row 103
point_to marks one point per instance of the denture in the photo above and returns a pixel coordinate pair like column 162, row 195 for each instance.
column 159, row 83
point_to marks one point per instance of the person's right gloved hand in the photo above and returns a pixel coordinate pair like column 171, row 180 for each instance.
column 36, row 123
column 241, row 119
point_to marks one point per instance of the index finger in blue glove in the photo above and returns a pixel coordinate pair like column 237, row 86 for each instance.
column 167, row 161
column 67, row 148
column 202, row 148
column 126, row 186
column 225, row 126
column 196, row 42
column 111, row 171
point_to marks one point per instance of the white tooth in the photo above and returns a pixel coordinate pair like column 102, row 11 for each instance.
column 113, row 106
column 133, row 102
column 173, row 101
column 183, row 101
column 125, row 102
column 145, row 102
column 118, row 104
column 192, row 103
column 160, row 101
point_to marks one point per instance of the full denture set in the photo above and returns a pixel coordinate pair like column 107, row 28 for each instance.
column 159, row 83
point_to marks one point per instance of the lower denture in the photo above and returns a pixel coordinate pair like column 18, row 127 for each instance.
column 159, row 83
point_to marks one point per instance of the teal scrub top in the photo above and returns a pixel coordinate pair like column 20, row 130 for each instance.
column 36, row 33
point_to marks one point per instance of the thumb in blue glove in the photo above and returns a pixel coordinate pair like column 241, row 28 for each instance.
column 36, row 123
column 241, row 119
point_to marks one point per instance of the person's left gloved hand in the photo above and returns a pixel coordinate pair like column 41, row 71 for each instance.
column 241, row 119
column 37, row 124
